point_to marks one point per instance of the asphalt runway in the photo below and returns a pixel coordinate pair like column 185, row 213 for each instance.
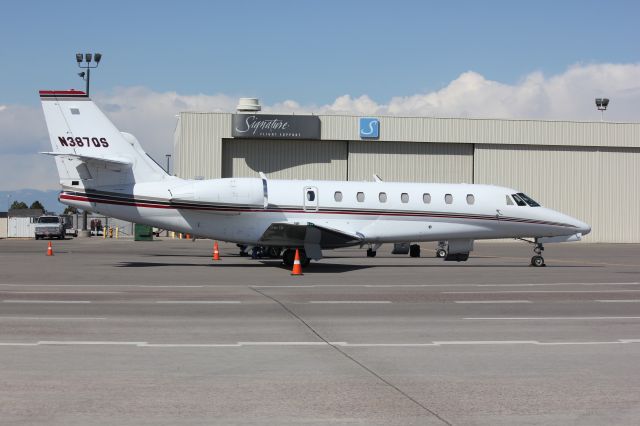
column 119, row 332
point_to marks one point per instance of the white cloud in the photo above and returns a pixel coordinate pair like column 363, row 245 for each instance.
column 33, row 171
column 22, row 130
column 151, row 115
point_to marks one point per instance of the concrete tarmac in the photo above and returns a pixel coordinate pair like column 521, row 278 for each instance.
column 122, row 332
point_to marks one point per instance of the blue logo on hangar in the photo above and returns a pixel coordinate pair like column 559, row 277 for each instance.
column 369, row 128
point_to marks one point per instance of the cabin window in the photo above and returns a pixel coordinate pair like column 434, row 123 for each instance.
column 337, row 196
column 509, row 201
column 404, row 197
column 448, row 198
column 382, row 197
column 311, row 195
column 519, row 201
column 471, row 199
column 426, row 198
column 360, row 197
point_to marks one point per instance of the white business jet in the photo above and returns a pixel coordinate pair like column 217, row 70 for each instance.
column 106, row 171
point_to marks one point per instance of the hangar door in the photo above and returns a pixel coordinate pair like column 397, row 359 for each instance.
column 285, row 159
column 411, row 161
column 594, row 184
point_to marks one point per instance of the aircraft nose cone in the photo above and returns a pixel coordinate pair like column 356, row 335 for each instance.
column 586, row 229
column 583, row 228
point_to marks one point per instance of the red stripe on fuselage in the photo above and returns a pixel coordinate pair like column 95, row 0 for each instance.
column 94, row 199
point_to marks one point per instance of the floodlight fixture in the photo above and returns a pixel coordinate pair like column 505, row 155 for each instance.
column 602, row 104
column 87, row 65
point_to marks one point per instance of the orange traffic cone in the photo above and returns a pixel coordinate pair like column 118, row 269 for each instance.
column 297, row 267
column 216, row 252
column 50, row 250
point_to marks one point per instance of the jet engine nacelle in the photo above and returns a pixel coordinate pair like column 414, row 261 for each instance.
column 234, row 191
column 458, row 250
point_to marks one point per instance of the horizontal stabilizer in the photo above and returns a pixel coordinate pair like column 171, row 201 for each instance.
column 90, row 158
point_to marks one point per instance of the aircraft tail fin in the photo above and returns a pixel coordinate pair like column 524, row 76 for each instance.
column 90, row 152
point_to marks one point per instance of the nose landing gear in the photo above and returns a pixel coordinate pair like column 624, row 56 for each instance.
column 538, row 260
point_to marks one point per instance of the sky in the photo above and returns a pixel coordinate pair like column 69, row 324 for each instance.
column 499, row 59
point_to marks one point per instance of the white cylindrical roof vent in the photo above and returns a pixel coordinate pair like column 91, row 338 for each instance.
column 248, row 105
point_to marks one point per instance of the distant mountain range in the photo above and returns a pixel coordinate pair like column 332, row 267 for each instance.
column 49, row 199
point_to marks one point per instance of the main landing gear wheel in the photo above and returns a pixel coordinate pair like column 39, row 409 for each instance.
column 538, row 260
column 414, row 250
column 371, row 253
column 289, row 255
column 441, row 253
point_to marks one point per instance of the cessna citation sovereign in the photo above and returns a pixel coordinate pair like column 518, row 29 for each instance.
column 104, row 170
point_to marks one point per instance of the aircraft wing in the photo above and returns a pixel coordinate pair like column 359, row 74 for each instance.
column 308, row 235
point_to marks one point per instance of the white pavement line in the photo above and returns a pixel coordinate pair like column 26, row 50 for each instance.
column 386, row 345
column 88, row 342
column 52, row 318
column 486, row 342
column 285, row 343
column 551, row 284
column 619, row 301
column 491, row 301
column 44, row 301
column 438, row 285
column 189, row 345
column 17, row 344
column 538, row 291
column 61, row 292
column 546, row 318
column 340, row 302
column 576, row 343
column 198, row 302
column 316, row 344
column 108, row 285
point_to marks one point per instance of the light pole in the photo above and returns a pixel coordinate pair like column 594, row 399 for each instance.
column 601, row 104
column 168, row 158
column 87, row 57
column 84, row 62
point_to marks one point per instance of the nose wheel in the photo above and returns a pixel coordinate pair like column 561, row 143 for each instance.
column 538, row 260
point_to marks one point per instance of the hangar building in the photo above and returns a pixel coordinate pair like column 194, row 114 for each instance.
column 589, row 170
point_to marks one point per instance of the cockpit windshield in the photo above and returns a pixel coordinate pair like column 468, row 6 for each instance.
column 519, row 201
column 527, row 200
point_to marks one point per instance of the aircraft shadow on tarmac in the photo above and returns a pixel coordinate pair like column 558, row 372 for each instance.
column 326, row 267
column 317, row 268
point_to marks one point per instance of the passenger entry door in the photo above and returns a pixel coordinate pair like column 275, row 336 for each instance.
column 310, row 202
